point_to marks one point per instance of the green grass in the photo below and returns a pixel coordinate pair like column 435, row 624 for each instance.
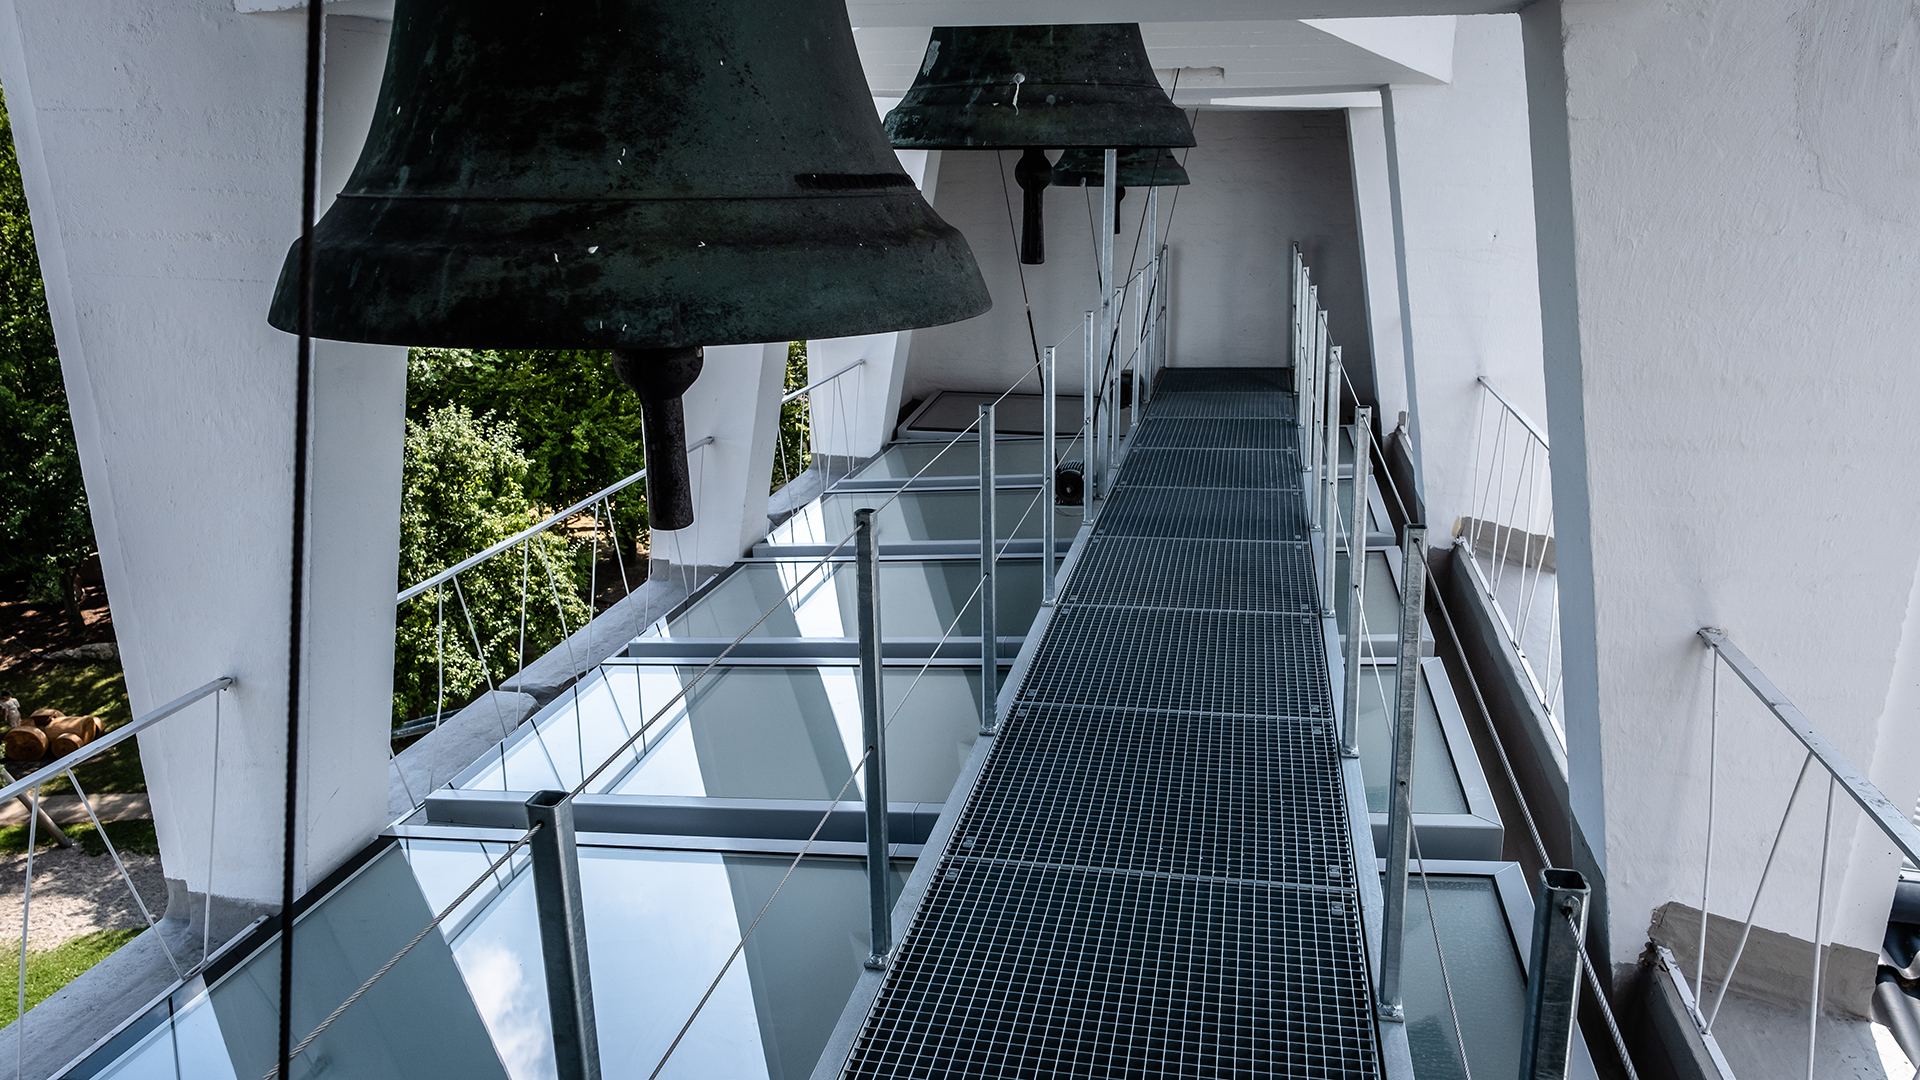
column 136, row 837
column 50, row 969
column 83, row 690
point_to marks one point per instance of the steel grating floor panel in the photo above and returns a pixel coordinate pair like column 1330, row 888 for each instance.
column 1215, row 433
column 1204, row 513
column 1152, row 875
column 1035, row 971
column 1221, row 381
column 1267, row 469
column 1214, row 575
column 1235, row 662
column 1252, row 405
column 1163, row 793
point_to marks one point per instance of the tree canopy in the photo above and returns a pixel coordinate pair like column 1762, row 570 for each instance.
column 45, row 532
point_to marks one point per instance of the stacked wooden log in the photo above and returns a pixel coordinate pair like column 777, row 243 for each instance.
column 47, row 733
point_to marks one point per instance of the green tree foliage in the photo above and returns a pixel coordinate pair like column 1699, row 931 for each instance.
column 464, row 488
column 575, row 424
column 45, row 533
column 795, row 451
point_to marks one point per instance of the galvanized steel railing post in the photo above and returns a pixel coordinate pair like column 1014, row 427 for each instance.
column 989, row 545
column 1051, row 475
column 1553, row 974
column 873, row 730
column 1150, row 304
column 1330, row 475
column 1413, row 581
column 1108, row 205
column 563, row 935
column 1089, row 423
column 1356, row 579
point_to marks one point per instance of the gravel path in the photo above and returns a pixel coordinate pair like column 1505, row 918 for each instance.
column 75, row 893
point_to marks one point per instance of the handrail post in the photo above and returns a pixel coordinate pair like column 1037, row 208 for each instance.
column 1553, row 974
column 1330, row 475
column 1108, row 205
column 1356, row 579
column 1089, row 423
column 1048, row 422
column 1400, row 795
column 1150, row 303
column 563, row 935
column 874, row 739
column 989, row 624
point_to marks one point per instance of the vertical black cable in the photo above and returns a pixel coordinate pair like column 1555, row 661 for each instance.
column 303, row 390
column 1007, row 198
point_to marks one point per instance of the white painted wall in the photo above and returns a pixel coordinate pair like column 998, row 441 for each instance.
column 730, row 475
column 1747, row 248
column 1466, row 188
column 160, row 145
column 1261, row 180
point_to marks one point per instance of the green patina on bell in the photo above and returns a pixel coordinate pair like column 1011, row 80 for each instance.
column 1087, row 85
column 637, row 175
column 1141, row 166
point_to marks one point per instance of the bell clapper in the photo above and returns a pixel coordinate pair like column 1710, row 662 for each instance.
column 660, row 376
column 1034, row 173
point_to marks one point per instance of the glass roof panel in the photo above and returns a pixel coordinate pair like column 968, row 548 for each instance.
column 417, row 1020
column 918, row 515
column 1383, row 597
column 1489, row 984
column 745, row 732
column 918, row 599
column 1436, row 785
column 902, row 461
column 660, row 927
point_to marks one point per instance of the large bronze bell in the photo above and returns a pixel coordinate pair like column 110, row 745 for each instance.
column 640, row 175
column 1027, row 87
column 1141, row 166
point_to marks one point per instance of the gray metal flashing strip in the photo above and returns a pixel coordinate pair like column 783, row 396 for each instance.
column 670, row 815
column 722, row 845
column 910, row 549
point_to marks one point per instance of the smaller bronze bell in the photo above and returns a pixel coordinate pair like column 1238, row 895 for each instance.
column 1087, row 85
column 1142, row 166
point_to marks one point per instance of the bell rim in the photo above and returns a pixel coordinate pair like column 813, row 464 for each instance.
column 924, row 275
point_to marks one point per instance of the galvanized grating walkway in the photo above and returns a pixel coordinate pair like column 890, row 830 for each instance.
column 1152, row 876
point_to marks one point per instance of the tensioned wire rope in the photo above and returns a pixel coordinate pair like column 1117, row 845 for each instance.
column 991, row 543
column 1506, row 767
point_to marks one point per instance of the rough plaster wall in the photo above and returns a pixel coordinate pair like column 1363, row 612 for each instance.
column 160, row 145
column 1748, row 254
column 1472, row 277
column 1261, row 181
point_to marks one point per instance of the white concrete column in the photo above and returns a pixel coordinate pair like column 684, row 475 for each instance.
column 160, row 147
column 1380, row 262
column 1730, row 267
column 1471, row 264
column 736, row 400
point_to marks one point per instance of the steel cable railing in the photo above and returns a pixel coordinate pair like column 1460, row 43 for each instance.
column 66, row 766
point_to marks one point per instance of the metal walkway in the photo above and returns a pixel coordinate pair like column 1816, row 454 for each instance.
column 1152, row 876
